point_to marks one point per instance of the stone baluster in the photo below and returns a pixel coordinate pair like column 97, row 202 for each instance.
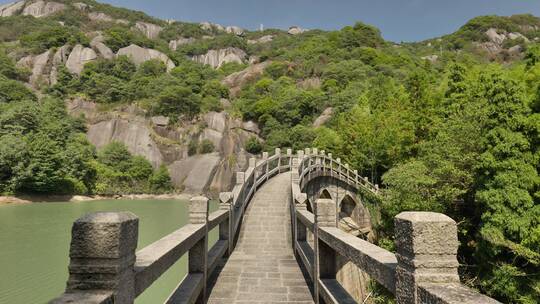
column 278, row 153
column 265, row 158
column 198, row 254
column 331, row 164
column 289, row 157
column 307, row 151
column 347, row 175
column 427, row 246
column 102, row 255
column 300, row 230
column 240, row 179
column 315, row 151
column 226, row 227
column 355, row 173
column 325, row 256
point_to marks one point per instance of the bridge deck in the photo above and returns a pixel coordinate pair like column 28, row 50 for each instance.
column 262, row 268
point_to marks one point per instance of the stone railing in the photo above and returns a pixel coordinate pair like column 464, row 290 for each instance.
column 423, row 270
column 312, row 163
column 104, row 267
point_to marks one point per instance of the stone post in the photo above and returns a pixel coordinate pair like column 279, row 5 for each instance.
column 289, row 157
column 325, row 256
column 300, row 203
column 102, row 255
column 226, row 227
column 355, row 172
column 307, row 151
column 198, row 254
column 300, row 154
column 240, row 178
column 278, row 152
column 331, row 164
column 427, row 246
column 265, row 158
column 315, row 151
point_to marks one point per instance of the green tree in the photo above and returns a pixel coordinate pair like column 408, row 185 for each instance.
column 160, row 181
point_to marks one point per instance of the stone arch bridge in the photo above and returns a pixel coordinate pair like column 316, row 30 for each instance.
column 279, row 242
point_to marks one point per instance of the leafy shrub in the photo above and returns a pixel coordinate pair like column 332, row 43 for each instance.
column 54, row 36
column 253, row 145
column 193, row 146
column 206, row 146
column 160, row 181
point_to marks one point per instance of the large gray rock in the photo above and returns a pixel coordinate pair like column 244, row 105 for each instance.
column 208, row 26
column 174, row 44
column 236, row 81
column 515, row 50
column 514, row 36
column 195, row 172
column 263, row 39
column 491, row 48
column 139, row 55
column 60, row 57
column 295, row 30
column 81, row 6
column 323, row 118
column 495, row 37
column 103, row 50
column 79, row 106
column 40, row 63
column 40, row 9
column 99, row 16
column 238, row 31
column 251, row 126
column 78, row 57
column 216, row 121
column 160, row 121
column 148, row 29
column 216, row 58
column 10, row 9
column 134, row 133
column 431, row 58
column 310, row 83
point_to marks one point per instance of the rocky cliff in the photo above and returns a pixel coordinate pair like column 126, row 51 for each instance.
column 216, row 58
column 162, row 144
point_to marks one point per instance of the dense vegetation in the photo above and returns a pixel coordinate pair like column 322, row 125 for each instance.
column 43, row 150
column 459, row 135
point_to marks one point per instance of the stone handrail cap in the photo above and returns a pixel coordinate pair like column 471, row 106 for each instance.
column 107, row 217
column 225, row 196
column 424, row 216
column 199, row 198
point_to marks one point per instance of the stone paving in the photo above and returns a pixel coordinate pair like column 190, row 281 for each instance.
column 262, row 268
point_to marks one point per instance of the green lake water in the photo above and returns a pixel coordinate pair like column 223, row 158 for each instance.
column 34, row 245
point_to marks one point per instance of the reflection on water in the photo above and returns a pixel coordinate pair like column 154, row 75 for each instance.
column 34, row 245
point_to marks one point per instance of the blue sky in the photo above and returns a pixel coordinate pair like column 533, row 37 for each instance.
column 399, row 20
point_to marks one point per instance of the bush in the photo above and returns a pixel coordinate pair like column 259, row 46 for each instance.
column 12, row 90
column 192, row 147
column 206, row 146
column 160, row 181
column 52, row 36
column 253, row 145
